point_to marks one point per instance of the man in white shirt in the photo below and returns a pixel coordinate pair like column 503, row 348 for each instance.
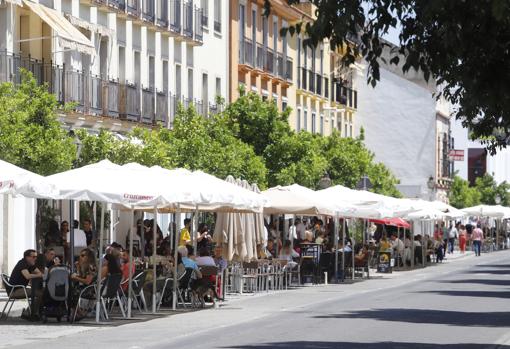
column 80, row 239
column 300, row 229
column 398, row 246
column 452, row 235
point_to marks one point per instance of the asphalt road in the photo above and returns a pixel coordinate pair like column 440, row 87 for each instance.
column 463, row 304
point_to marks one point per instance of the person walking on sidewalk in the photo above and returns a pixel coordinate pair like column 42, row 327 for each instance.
column 462, row 238
column 452, row 235
column 477, row 238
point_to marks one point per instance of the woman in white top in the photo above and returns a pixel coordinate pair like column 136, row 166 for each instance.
column 287, row 253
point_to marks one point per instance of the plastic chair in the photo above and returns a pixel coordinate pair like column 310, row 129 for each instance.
column 7, row 284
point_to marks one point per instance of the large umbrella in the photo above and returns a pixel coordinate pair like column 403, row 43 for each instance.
column 296, row 199
column 15, row 180
column 495, row 211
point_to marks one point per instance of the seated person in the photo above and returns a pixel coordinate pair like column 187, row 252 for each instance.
column 361, row 258
column 384, row 244
column 205, row 258
column 342, row 248
column 188, row 262
column 124, row 267
column 22, row 274
column 111, row 264
column 221, row 263
column 84, row 276
column 287, row 253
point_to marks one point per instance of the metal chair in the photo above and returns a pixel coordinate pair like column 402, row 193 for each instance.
column 137, row 291
column 183, row 284
column 12, row 299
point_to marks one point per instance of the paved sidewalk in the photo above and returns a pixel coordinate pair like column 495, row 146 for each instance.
column 238, row 309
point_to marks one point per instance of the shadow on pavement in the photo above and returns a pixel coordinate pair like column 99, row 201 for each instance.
column 491, row 282
column 493, row 266
column 354, row 345
column 426, row 316
column 489, row 271
column 489, row 294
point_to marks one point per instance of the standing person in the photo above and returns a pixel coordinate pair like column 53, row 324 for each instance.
column 300, row 229
column 452, row 235
column 90, row 234
column 462, row 238
column 477, row 238
column 185, row 237
column 446, row 231
column 204, row 239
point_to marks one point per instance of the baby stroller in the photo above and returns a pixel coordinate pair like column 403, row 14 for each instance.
column 55, row 294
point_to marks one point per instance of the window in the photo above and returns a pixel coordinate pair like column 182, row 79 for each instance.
column 190, row 84
column 178, row 91
column 313, row 123
column 189, row 55
column 122, row 64
column 152, row 73
column 305, row 120
column 275, row 35
column 322, row 61
column 165, row 76
column 217, row 16
column 205, row 89
column 242, row 22
column 313, row 59
column 284, row 104
column 254, row 25
column 284, row 43
column 298, row 59
column 298, row 120
column 218, row 87
column 265, row 27
column 321, row 126
column 204, row 4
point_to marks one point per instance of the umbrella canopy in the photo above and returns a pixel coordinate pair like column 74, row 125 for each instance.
column 496, row 211
column 15, row 180
column 296, row 199
column 396, row 222
column 357, row 203
column 426, row 214
column 138, row 187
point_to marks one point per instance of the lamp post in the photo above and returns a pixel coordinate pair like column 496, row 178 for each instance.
column 78, row 144
column 325, row 181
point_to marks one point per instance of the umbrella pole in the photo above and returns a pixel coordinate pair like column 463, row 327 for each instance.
column 294, row 231
column 130, row 283
column 335, row 236
column 343, row 248
column 353, row 243
column 98, row 287
column 71, row 234
column 194, row 236
column 154, row 246
column 412, row 244
column 176, row 236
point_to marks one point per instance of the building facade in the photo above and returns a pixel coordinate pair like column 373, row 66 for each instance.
column 407, row 130
column 123, row 62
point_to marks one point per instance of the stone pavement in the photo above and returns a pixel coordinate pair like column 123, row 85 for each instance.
column 237, row 308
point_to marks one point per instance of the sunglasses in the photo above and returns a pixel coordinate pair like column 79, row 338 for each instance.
column 83, row 255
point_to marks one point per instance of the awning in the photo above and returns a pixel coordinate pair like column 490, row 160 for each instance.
column 69, row 37
column 16, row 2
column 95, row 28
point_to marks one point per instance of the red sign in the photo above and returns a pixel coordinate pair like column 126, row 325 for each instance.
column 456, row 155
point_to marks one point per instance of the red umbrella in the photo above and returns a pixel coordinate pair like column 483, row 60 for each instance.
column 396, row 222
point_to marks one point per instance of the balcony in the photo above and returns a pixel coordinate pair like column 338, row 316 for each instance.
column 304, row 76
column 260, row 57
column 246, row 52
column 113, row 99
column 129, row 102
column 133, row 8
column 148, row 105
column 344, row 95
column 311, row 81
column 188, row 19
column 162, row 109
column 162, row 13
column 199, row 29
column 148, row 11
column 288, row 69
column 269, row 64
column 175, row 16
column 318, row 85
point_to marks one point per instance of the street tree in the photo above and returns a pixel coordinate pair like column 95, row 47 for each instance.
column 461, row 45
column 461, row 195
column 30, row 134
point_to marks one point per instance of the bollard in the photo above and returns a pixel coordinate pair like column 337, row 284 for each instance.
column 325, row 278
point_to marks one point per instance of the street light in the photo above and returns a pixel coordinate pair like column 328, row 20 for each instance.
column 497, row 199
column 325, row 181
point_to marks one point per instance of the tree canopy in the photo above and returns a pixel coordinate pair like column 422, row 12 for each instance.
column 485, row 191
column 461, row 45
column 30, row 134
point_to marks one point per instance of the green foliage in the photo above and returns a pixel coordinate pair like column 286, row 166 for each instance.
column 434, row 36
column 484, row 191
column 30, row 134
column 488, row 189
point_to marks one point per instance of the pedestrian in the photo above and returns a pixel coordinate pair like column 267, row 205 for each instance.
column 477, row 238
column 452, row 236
column 462, row 238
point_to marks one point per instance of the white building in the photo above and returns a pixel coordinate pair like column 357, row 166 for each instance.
column 123, row 62
column 405, row 128
column 477, row 161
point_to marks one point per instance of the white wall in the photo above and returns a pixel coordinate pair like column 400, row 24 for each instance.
column 497, row 165
column 399, row 119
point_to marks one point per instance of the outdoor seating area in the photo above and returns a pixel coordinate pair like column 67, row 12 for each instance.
column 224, row 237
